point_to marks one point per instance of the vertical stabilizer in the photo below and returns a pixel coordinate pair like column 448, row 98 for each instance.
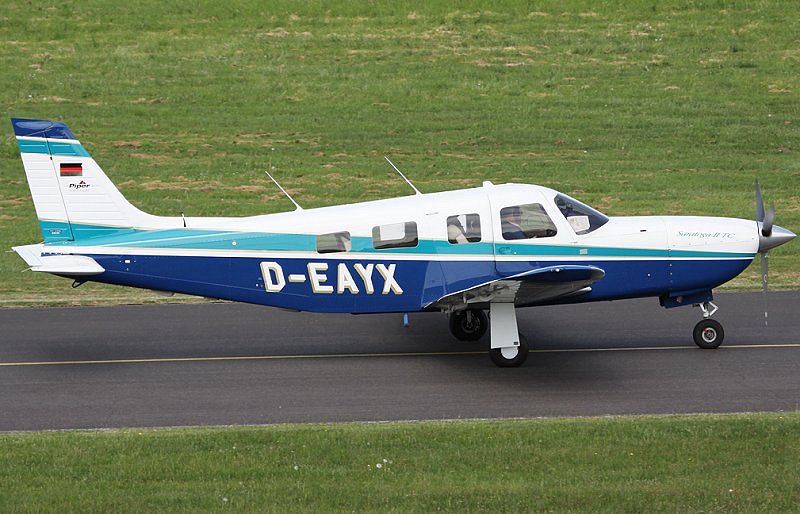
column 74, row 199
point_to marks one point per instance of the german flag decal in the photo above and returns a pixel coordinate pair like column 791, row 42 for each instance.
column 71, row 169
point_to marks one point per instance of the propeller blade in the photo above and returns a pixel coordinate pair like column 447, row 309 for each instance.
column 759, row 202
column 769, row 220
column 765, row 281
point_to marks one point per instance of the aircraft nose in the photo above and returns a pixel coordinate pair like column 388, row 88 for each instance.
column 778, row 237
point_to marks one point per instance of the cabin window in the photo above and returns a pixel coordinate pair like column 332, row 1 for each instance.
column 334, row 242
column 464, row 228
column 395, row 235
column 582, row 218
column 525, row 222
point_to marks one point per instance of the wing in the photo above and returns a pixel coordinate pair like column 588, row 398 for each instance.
column 529, row 288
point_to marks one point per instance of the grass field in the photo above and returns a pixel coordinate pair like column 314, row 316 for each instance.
column 743, row 463
column 635, row 107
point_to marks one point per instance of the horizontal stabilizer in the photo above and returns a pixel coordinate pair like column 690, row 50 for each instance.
column 70, row 265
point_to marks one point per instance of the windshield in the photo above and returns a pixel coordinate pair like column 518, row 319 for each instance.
column 582, row 218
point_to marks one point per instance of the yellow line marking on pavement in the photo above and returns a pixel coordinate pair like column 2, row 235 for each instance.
column 237, row 358
column 653, row 348
column 363, row 355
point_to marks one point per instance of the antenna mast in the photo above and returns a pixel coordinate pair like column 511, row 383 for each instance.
column 297, row 205
column 416, row 191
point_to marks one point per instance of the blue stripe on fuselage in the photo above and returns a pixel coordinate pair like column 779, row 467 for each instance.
column 242, row 279
column 422, row 281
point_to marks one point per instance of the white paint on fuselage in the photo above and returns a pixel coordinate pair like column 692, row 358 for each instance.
column 430, row 211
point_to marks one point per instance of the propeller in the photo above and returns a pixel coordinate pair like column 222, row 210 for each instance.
column 765, row 281
column 766, row 219
column 769, row 237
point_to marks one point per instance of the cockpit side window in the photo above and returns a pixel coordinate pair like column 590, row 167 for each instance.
column 582, row 218
column 526, row 221
column 464, row 228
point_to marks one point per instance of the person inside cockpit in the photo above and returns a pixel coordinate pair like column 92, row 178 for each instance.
column 511, row 217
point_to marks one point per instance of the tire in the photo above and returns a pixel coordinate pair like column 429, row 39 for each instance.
column 469, row 325
column 708, row 334
column 505, row 361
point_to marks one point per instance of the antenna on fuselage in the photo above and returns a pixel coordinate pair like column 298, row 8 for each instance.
column 416, row 191
column 297, row 205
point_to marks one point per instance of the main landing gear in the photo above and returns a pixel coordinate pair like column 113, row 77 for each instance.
column 507, row 349
column 708, row 333
column 468, row 325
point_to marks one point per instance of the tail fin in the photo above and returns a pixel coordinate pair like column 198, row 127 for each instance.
column 74, row 199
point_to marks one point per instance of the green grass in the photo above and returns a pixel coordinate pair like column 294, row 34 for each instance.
column 736, row 463
column 635, row 107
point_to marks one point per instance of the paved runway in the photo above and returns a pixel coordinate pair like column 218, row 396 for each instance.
column 221, row 364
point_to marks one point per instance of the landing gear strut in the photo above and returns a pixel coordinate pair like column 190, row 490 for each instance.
column 708, row 333
column 508, row 350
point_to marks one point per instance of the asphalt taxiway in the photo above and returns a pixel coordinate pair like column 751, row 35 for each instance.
column 224, row 364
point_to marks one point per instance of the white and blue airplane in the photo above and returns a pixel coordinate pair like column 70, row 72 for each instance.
column 465, row 252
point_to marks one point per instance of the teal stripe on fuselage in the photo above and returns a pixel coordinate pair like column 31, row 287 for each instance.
column 191, row 239
column 62, row 231
column 199, row 240
column 91, row 231
column 52, row 148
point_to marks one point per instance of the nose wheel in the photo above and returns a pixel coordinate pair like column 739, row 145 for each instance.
column 708, row 333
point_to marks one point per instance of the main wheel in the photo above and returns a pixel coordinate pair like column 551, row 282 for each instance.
column 468, row 325
column 510, row 356
column 708, row 334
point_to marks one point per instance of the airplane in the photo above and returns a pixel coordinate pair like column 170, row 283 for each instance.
column 464, row 252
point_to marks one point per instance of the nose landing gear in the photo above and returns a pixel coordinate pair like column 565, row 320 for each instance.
column 708, row 333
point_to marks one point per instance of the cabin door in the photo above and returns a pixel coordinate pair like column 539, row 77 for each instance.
column 523, row 233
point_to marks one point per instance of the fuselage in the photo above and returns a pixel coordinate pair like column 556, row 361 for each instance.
column 402, row 254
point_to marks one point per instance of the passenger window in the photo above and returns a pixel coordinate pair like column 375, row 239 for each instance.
column 464, row 228
column 395, row 235
column 526, row 221
column 334, row 242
